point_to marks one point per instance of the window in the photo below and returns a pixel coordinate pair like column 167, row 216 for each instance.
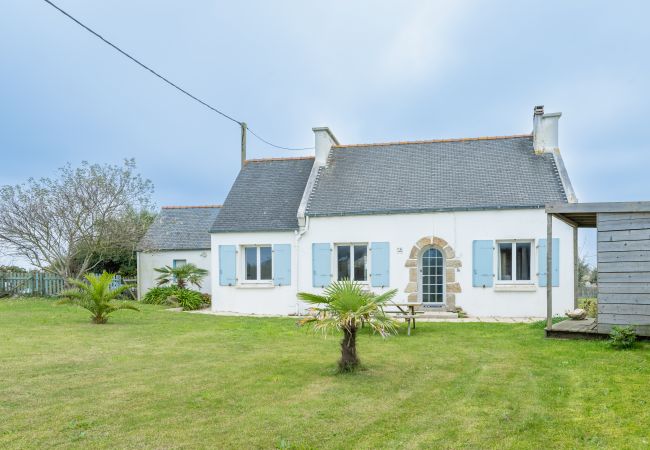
column 178, row 263
column 352, row 262
column 514, row 260
column 258, row 263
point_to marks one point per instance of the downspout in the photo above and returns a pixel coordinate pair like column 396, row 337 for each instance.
column 137, row 273
column 299, row 233
column 324, row 139
column 303, row 223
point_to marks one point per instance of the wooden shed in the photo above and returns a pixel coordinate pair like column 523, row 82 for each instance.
column 623, row 265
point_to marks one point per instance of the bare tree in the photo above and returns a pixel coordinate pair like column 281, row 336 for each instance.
column 52, row 221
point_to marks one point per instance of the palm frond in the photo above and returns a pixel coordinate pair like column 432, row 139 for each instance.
column 126, row 305
column 313, row 298
column 96, row 296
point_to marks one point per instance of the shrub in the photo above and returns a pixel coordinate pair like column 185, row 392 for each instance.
column 95, row 295
column 181, row 276
column 159, row 295
column 622, row 338
column 590, row 305
column 187, row 299
column 207, row 300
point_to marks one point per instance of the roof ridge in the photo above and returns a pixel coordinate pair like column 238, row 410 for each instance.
column 191, row 207
column 288, row 158
column 433, row 141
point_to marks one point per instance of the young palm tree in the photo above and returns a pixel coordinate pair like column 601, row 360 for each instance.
column 181, row 275
column 96, row 296
column 345, row 306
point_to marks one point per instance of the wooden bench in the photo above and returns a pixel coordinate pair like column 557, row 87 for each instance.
column 407, row 312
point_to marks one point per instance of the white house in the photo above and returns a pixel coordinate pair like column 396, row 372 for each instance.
column 179, row 235
column 453, row 222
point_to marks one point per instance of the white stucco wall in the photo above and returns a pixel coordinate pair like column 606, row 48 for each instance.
column 148, row 261
column 402, row 231
column 253, row 298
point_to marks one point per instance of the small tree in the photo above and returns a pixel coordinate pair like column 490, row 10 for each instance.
column 181, row 275
column 65, row 224
column 96, row 296
column 345, row 306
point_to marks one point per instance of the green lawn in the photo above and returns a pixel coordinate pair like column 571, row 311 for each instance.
column 159, row 379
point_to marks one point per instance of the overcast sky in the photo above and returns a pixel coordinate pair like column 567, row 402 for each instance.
column 372, row 71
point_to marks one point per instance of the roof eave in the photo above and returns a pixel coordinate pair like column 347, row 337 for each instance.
column 424, row 210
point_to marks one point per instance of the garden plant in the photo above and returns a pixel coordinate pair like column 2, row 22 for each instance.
column 95, row 295
column 345, row 306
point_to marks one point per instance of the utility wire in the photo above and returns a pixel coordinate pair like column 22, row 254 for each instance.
column 144, row 66
column 277, row 146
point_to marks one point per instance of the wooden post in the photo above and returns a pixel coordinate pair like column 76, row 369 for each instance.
column 576, row 281
column 549, row 271
column 243, row 143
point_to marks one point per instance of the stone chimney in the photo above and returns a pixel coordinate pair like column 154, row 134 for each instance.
column 324, row 140
column 545, row 130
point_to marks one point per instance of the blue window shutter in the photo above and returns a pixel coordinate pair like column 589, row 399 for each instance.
column 482, row 263
column 227, row 265
column 541, row 262
column 380, row 264
column 321, row 264
column 282, row 264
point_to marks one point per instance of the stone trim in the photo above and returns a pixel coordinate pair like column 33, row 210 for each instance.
column 452, row 265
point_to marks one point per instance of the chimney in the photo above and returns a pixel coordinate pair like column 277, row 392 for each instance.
column 545, row 130
column 324, row 139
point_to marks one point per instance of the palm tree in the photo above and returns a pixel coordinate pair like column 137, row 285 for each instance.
column 96, row 296
column 346, row 306
column 181, row 275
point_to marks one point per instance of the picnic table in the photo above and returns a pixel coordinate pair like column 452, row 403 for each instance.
column 408, row 312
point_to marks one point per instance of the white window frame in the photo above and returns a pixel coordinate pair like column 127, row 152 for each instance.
column 513, row 243
column 335, row 260
column 257, row 280
column 174, row 261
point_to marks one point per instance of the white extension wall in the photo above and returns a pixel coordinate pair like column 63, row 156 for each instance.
column 148, row 261
column 402, row 231
column 253, row 298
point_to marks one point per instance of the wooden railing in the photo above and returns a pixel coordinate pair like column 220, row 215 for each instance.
column 36, row 283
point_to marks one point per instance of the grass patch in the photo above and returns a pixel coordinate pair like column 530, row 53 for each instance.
column 176, row 380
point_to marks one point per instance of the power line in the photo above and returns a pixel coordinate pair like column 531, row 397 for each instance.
column 277, row 146
column 174, row 85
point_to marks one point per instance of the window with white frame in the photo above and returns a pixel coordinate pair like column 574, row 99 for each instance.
column 352, row 262
column 258, row 263
column 514, row 261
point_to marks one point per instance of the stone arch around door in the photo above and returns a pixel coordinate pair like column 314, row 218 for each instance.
column 452, row 287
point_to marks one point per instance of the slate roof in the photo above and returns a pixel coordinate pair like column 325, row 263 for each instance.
column 462, row 174
column 265, row 196
column 180, row 228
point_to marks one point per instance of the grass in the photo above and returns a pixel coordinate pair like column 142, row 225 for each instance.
column 158, row 379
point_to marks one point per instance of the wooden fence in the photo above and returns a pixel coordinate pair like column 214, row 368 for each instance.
column 588, row 291
column 36, row 283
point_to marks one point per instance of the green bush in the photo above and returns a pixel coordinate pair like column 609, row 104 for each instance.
column 159, row 295
column 187, row 299
column 590, row 305
column 622, row 338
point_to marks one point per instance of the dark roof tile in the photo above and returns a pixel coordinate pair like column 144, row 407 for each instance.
column 265, row 196
column 486, row 173
column 180, row 228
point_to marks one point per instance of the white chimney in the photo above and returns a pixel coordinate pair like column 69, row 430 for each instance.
column 324, row 140
column 545, row 130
